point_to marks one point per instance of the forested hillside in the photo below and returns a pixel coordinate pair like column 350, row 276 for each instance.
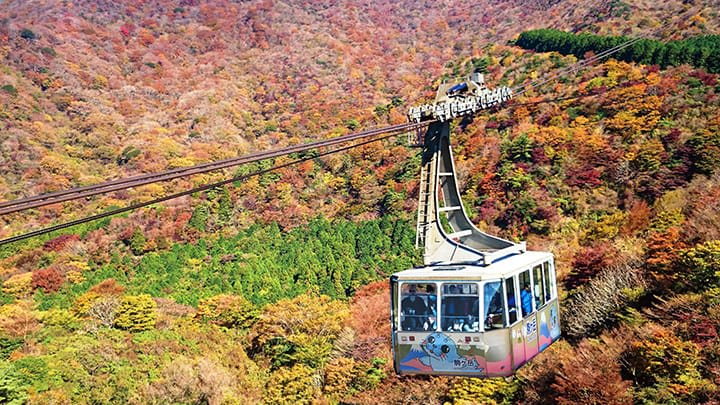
column 700, row 51
column 273, row 290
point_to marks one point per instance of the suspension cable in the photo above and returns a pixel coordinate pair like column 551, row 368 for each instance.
column 7, row 207
column 183, row 193
column 22, row 204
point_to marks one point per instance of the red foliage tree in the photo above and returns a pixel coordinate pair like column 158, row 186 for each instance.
column 108, row 287
column 59, row 243
column 592, row 375
column 127, row 29
column 584, row 176
column 588, row 262
column 368, row 317
column 639, row 215
column 49, row 279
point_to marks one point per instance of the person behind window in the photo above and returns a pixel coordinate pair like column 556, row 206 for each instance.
column 432, row 306
column 471, row 320
column 431, row 301
column 414, row 310
column 526, row 299
column 457, row 325
column 471, row 324
column 450, row 306
column 430, row 323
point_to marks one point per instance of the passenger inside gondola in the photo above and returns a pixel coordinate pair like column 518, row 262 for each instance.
column 472, row 323
column 413, row 310
column 430, row 323
column 526, row 299
column 418, row 303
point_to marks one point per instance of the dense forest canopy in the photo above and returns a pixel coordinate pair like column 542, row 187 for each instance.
column 701, row 51
column 274, row 290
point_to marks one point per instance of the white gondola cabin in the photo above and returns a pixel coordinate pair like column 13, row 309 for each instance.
column 474, row 320
column 481, row 306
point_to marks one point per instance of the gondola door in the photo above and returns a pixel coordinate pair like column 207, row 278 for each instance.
column 528, row 310
column 517, row 340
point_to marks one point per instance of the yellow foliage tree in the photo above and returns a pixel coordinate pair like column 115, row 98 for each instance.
column 489, row 391
column 19, row 285
column 19, row 319
column 300, row 329
column 136, row 313
column 295, row 385
column 636, row 111
column 84, row 302
column 339, row 374
column 227, row 310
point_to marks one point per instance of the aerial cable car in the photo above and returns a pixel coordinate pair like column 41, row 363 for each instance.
column 481, row 305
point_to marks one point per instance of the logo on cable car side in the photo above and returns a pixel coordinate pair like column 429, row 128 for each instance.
column 438, row 352
column 531, row 330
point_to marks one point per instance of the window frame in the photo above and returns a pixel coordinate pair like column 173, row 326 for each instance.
column 516, row 294
column 502, row 302
column 401, row 295
column 549, row 267
column 538, row 287
column 532, row 301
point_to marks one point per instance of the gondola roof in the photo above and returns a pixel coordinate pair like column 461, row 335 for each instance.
column 469, row 271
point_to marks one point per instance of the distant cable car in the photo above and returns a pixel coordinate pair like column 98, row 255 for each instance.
column 481, row 306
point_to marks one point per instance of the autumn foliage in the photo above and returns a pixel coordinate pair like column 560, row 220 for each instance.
column 274, row 289
column 227, row 310
column 369, row 312
column 49, row 279
column 136, row 313
column 592, row 375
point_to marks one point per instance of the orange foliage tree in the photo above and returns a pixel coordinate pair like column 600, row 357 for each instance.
column 591, row 375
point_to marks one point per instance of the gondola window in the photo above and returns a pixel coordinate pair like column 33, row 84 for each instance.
column 418, row 306
column 539, row 287
column 460, row 310
column 494, row 308
column 512, row 301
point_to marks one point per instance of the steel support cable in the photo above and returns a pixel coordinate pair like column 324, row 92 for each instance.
column 568, row 98
column 8, row 207
column 580, row 64
column 183, row 193
column 555, row 100
column 174, row 173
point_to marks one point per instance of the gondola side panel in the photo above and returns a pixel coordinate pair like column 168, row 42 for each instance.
column 549, row 325
column 530, row 335
column 518, row 345
column 441, row 353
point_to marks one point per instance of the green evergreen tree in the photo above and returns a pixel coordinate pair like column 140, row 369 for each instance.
column 224, row 207
column 199, row 218
column 701, row 51
column 137, row 242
